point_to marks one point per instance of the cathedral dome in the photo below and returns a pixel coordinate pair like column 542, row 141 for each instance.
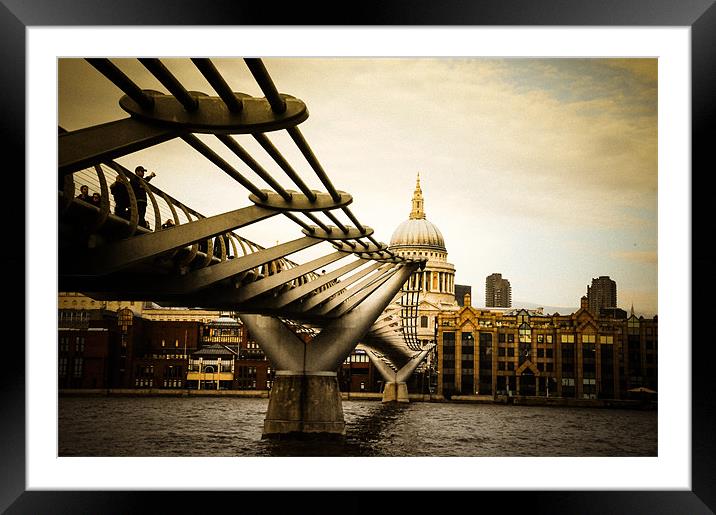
column 417, row 231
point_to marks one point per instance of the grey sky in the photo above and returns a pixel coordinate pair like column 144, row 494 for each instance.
column 544, row 170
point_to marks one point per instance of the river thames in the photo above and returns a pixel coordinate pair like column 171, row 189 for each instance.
column 211, row 427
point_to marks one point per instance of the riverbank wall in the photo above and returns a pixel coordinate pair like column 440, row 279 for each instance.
column 349, row 396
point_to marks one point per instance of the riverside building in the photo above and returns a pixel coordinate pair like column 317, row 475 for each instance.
column 528, row 353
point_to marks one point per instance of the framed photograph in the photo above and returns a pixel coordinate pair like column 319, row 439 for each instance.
column 672, row 40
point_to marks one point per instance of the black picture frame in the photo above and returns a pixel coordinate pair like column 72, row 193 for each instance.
column 699, row 15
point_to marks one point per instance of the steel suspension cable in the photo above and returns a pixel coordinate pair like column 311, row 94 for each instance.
column 271, row 150
column 262, row 77
column 237, row 149
column 119, row 79
column 162, row 73
column 212, row 156
column 209, row 71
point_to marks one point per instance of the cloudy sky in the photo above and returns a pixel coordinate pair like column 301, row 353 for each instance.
column 544, row 170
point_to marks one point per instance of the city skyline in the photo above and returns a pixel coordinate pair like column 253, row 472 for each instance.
column 543, row 170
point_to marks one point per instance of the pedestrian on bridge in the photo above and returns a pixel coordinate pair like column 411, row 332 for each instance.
column 141, row 193
column 84, row 194
column 121, row 198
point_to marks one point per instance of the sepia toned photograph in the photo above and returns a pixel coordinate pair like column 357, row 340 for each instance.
column 357, row 257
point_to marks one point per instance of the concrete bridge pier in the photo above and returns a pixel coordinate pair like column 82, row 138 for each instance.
column 305, row 397
column 304, row 404
column 396, row 387
column 395, row 392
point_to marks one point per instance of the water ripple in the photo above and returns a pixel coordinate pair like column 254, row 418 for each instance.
column 186, row 426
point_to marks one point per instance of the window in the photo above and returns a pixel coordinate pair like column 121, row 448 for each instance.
column 549, row 338
column 540, row 338
column 633, row 326
column 62, row 366
column 77, row 368
column 423, row 321
column 589, row 338
column 525, row 334
column 606, row 340
column 79, row 344
column 567, row 338
column 448, row 351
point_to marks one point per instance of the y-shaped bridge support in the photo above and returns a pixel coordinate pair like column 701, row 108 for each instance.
column 396, row 387
column 305, row 397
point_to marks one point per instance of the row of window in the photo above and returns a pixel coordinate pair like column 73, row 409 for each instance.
column 173, row 383
column 62, row 365
column 167, row 356
column 73, row 316
column 65, row 343
column 357, row 358
column 224, row 331
column 525, row 337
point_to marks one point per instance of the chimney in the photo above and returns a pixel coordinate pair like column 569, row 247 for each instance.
column 466, row 300
column 585, row 302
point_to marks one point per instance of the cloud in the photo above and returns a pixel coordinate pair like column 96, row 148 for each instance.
column 646, row 257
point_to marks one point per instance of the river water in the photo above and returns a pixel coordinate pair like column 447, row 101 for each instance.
column 205, row 426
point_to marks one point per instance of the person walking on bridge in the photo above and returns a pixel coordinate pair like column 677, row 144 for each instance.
column 140, row 192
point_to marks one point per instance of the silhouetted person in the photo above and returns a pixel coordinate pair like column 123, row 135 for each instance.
column 121, row 198
column 96, row 199
column 84, row 194
column 140, row 193
column 168, row 224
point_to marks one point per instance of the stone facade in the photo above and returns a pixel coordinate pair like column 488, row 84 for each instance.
column 527, row 353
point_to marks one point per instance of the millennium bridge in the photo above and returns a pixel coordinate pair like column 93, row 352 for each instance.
column 305, row 319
